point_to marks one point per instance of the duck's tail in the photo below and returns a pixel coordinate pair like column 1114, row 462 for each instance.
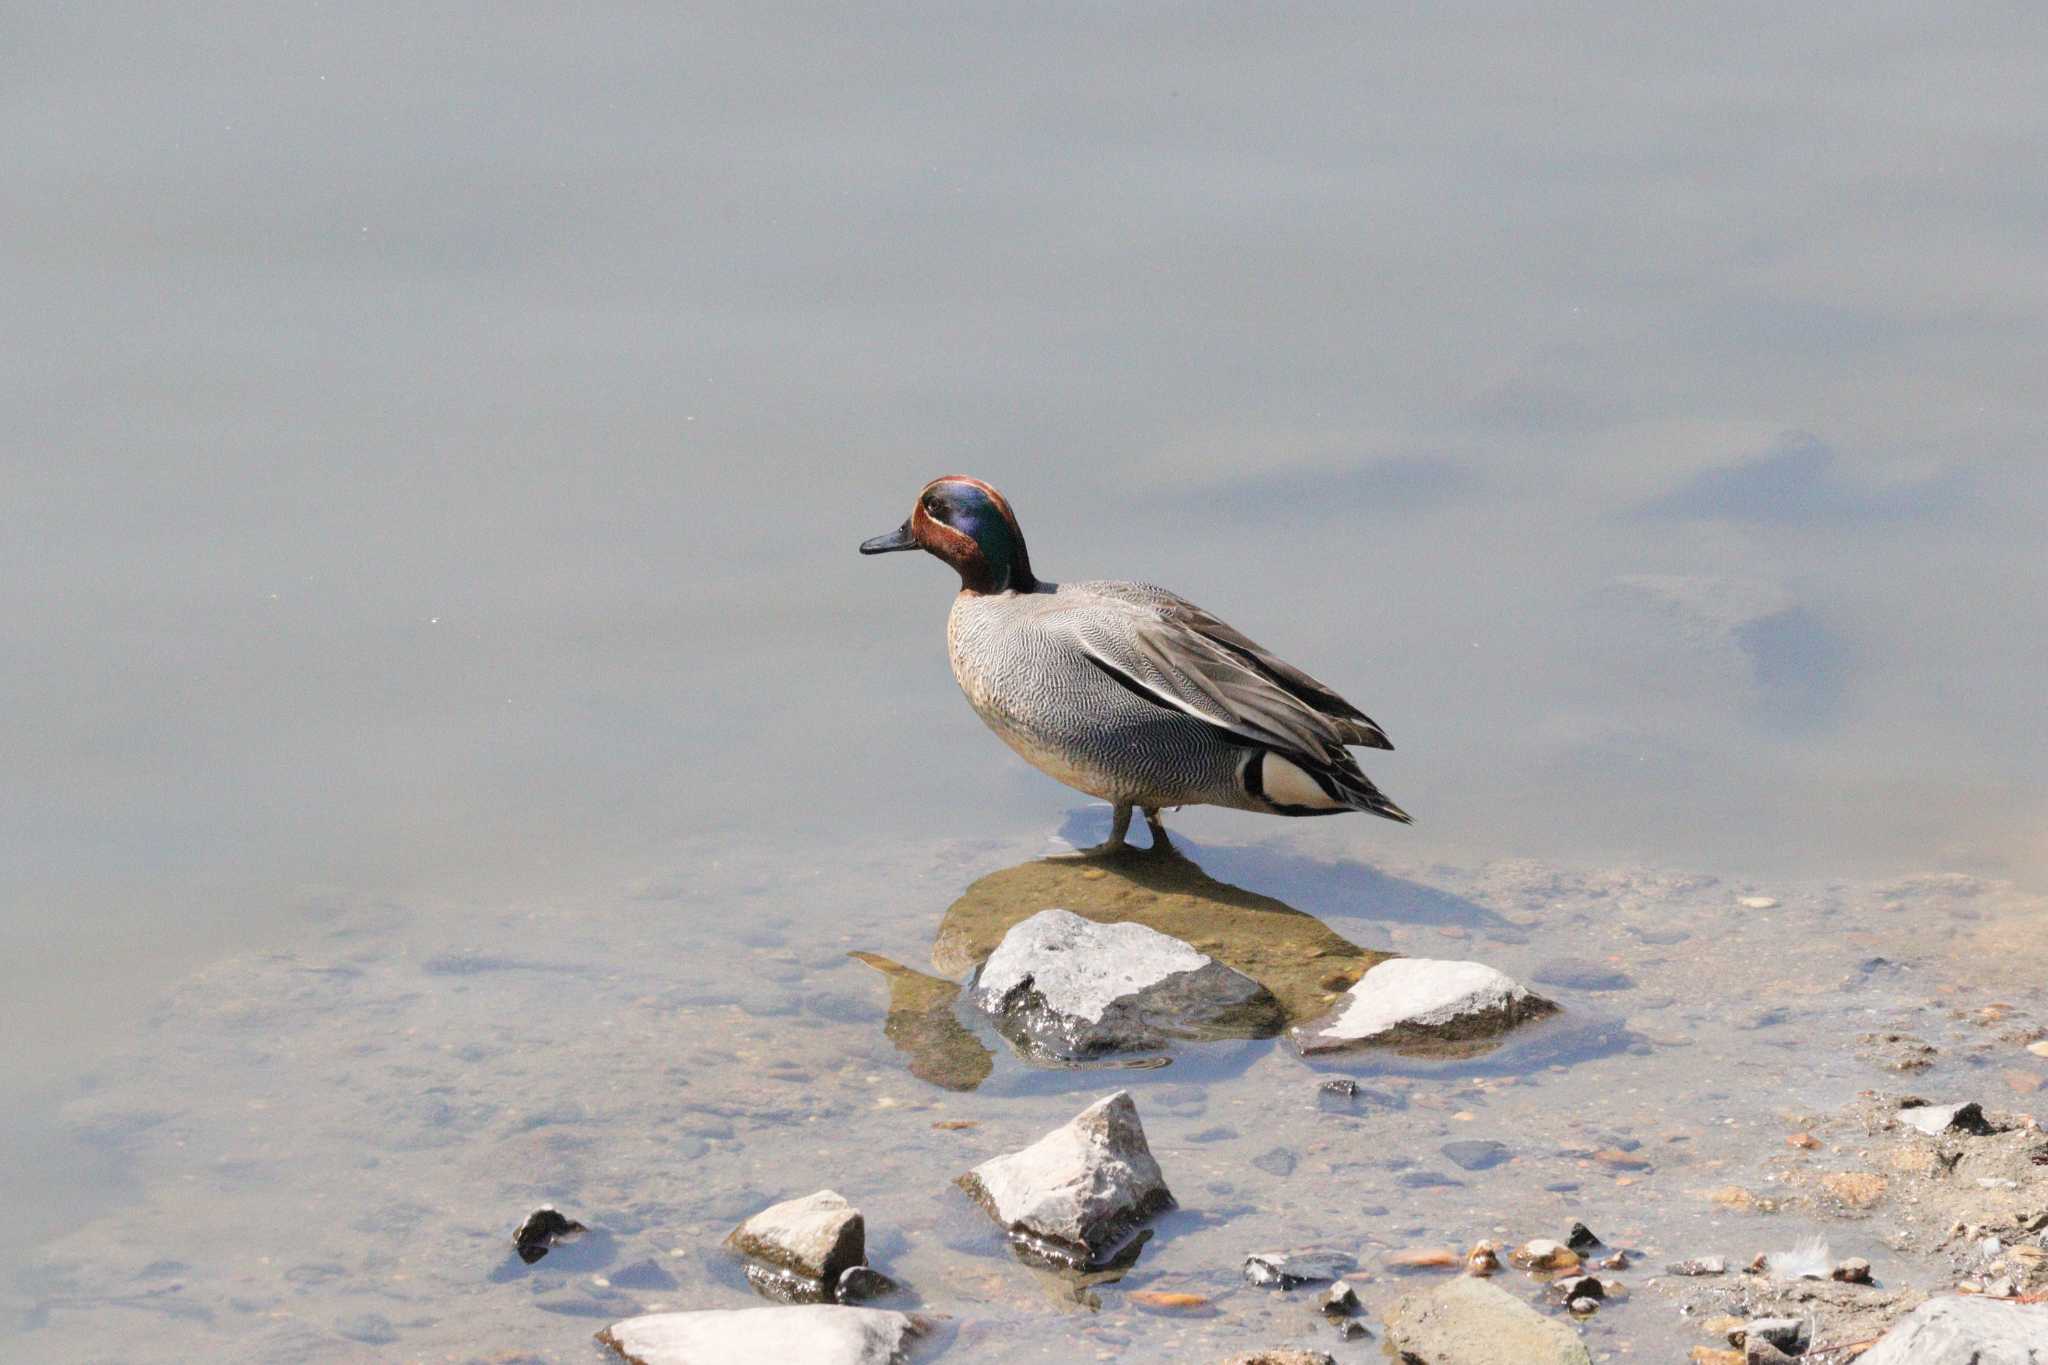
column 1297, row 784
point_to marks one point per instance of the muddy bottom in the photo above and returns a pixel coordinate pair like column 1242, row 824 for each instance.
column 329, row 1148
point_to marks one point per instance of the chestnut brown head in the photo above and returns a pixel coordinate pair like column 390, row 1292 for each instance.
column 969, row 525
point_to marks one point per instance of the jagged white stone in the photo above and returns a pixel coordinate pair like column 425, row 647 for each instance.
column 1416, row 998
column 1080, row 1190
column 1068, row 987
column 1936, row 1119
column 817, row 1236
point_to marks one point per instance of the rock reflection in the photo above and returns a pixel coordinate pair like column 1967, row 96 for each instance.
column 924, row 1029
column 1303, row 962
column 1070, row 1286
column 1297, row 957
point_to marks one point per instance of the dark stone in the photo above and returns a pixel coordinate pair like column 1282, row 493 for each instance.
column 1569, row 1287
column 1581, row 974
column 1582, row 1239
column 1278, row 1161
column 1790, row 1335
column 544, row 1227
column 642, row 1274
column 1340, row 1300
column 785, row 1286
column 1475, row 1154
column 863, row 1284
column 1344, row 1096
column 372, row 1329
column 1287, row 1269
column 1220, row 1133
column 1425, row 1180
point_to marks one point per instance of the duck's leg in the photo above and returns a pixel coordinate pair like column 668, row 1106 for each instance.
column 1158, row 827
column 1119, row 826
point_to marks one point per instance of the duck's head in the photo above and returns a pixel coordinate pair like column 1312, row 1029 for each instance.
column 969, row 525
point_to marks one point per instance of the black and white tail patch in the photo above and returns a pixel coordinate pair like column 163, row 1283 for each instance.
column 1288, row 787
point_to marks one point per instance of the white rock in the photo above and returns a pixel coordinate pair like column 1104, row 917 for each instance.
column 817, row 1236
column 1078, row 1191
column 1758, row 902
column 817, row 1334
column 1936, row 1119
column 1067, row 987
column 1416, row 999
column 1965, row 1331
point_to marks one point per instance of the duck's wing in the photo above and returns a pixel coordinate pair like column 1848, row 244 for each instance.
column 1161, row 656
column 1351, row 725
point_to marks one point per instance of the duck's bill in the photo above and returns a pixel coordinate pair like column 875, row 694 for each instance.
column 898, row 539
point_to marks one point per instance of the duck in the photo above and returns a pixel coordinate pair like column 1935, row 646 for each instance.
column 1129, row 692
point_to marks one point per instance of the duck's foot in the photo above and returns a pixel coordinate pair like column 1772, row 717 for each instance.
column 1158, row 828
column 1119, row 826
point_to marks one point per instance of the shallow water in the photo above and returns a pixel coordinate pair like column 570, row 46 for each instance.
column 326, row 1147
column 439, row 445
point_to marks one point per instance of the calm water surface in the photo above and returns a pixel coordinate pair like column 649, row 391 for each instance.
column 437, row 446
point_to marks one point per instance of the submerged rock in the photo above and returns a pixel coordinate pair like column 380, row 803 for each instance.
column 1472, row 1322
column 1288, row 1269
column 1580, row 974
column 1294, row 955
column 1790, row 1335
column 1065, row 988
column 1896, row 1051
column 803, row 1246
column 864, row 1284
column 1475, row 1154
column 1965, row 1331
column 1079, row 1191
column 818, row 1334
column 1421, row 1002
column 544, row 1227
column 1699, row 1265
column 1281, row 1358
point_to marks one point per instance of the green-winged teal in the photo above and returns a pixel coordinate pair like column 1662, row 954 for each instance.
column 1124, row 690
